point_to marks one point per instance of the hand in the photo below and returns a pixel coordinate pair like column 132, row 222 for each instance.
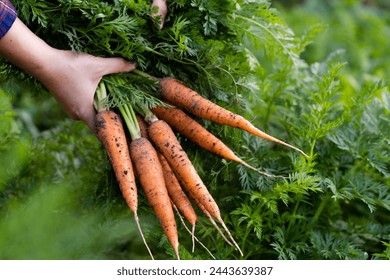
column 161, row 12
column 71, row 78
column 74, row 79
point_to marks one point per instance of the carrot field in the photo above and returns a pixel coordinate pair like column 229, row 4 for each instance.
column 314, row 184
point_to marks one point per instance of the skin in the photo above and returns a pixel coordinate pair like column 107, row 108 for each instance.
column 161, row 12
column 72, row 78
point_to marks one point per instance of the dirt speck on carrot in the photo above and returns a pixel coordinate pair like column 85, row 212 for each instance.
column 180, row 95
column 151, row 178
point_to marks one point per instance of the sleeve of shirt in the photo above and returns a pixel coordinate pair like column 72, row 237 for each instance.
column 7, row 16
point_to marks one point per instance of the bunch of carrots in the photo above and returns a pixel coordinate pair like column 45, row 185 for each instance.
column 148, row 152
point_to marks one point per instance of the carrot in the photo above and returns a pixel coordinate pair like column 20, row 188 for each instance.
column 166, row 142
column 192, row 130
column 110, row 132
column 143, row 126
column 178, row 197
column 174, row 189
column 178, row 94
column 149, row 171
column 176, row 193
column 152, row 181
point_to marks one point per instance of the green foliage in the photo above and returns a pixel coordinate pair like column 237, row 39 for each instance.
column 313, row 74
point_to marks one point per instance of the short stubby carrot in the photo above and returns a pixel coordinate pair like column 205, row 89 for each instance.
column 182, row 96
column 151, row 178
column 111, row 133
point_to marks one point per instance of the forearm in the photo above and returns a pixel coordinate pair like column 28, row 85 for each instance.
column 24, row 49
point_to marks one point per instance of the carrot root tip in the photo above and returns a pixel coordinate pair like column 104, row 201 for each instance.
column 231, row 237
column 142, row 235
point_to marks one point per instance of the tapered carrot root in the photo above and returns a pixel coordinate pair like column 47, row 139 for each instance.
column 192, row 232
column 166, row 142
column 178, row 197
column 163, row 137
column 178, row 94
column 207, row 214
column 152, row 181
column 110, row 132
column 174, row 189
column 176, row 193
column 194, row 131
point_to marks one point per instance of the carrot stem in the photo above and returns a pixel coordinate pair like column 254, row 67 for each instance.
column 131, row 120
column 101, row 94
column 145, row 75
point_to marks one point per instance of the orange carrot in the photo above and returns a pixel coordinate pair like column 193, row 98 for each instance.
column 178, row 94
column 175, row 192
column 166, row 142
column 143, row 126
column 174, row 189
column 152, row 181
column 178, row 197
column 110, row 132
column 192, row 130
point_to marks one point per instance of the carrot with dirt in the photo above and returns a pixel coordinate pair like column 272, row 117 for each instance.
column 110, row 132
column 151, row 177
column 191, row 129
column 177, row 195
column 175, row 192
column 182, row 96
column 166, row 142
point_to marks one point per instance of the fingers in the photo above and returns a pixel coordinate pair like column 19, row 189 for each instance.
column 161, row 12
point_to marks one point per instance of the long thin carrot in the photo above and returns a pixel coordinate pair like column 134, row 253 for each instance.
column 180, row 95
column 191, row 129
column 175, row 191
column 110, row 132
column 177, row 195
column 166, row 142
column 151, row 177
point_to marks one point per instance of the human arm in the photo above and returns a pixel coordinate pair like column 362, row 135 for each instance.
column 72, row 78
